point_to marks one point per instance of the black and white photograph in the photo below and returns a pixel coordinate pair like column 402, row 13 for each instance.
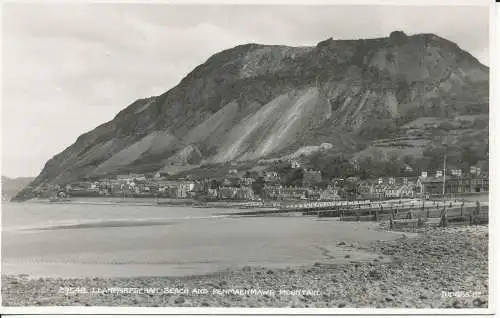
column 314, row 158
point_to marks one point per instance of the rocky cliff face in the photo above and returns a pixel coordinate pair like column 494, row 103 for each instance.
column 260, row 101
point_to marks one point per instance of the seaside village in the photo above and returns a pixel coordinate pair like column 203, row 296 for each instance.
column 268, row 185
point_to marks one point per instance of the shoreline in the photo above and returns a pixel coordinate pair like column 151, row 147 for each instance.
column 429, row 270
column 157, row 202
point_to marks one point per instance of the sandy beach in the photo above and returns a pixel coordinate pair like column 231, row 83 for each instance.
column 442, row 268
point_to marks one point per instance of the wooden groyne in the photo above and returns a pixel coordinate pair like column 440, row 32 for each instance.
column 375, row 211
column 404, row 212
column 412, row 218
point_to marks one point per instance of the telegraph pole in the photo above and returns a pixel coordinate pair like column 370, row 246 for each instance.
column 444, row 177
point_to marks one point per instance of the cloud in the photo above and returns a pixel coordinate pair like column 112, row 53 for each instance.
column 69, row 67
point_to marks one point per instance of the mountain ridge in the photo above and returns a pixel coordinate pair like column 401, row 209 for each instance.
column 257, row 101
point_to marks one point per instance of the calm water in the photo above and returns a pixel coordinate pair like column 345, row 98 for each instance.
column 118, row 240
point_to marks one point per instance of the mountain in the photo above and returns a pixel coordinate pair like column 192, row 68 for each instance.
column 261, row 102
column 10, row 187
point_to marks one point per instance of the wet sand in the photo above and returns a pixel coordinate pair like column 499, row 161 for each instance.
column 81, row 241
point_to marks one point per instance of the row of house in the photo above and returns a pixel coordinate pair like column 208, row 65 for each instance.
column 131, row 184
column 425, row 186
column 386, row 188
column 236, row 186
column 233, row 193
column 431, row 185
column 138, row 185
column 280, row 192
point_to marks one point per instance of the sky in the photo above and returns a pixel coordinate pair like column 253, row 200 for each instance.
column 67, row 68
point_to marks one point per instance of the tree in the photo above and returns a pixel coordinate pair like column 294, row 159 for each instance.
column 366, row 167
column 435, row 156
column 293, row 177
column 251, row 174
column 364, row 173
column 469, row 155
column 258, row 186
column 331, row 165
column 393, row 157
column 409, row 160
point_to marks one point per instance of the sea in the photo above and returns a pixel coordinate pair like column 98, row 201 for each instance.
column 122, row 240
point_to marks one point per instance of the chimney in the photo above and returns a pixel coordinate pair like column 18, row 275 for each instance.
column 424, row 174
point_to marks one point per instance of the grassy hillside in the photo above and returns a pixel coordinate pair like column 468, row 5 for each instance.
column 10, row 187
